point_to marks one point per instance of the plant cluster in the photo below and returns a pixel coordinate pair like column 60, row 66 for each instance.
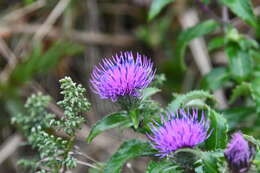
column 189, row 135
column 41, row 128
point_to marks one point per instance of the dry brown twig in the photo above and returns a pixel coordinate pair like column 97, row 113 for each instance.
column 10, row 57
column 199, row 50
column 54, row 15
column 9, row 147
column 17, row 14
column 121, row 40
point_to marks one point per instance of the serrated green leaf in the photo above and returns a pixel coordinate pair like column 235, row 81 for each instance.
column 161, row 167
column 148, row 92
column 157, row 6
column 242, row 89
column 240, row 63
column 128, row 150
column 182, row 100
column 216, row 43
column 243, row 9
column 190, row 34
column 218, row 137
column 219, row 75
column 209, row 163
column 119, row 119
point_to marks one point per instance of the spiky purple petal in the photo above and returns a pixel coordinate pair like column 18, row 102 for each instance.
column 122, row 75
column 239, row 153
column 179, row 130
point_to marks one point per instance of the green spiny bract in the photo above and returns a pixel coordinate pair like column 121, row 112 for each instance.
column 39, row 127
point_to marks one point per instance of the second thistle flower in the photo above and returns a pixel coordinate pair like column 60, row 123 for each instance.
column 180, row 130
column 121, row 76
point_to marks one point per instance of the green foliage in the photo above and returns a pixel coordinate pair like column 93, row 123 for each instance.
column 191, row 99
column 242, row 9
column 218, row 138
column 148, row 92
column 128, row 150
column 74, row 103
column 216, row 43
column 119, row 119
column 238, row 115
column 240, row 63
column 37, row 122
column 240, row 77
column 210, row 160
column 162, row 167
column 157, row 6
column 219, row 75
column 139, row 117
column 38, row 62
column 256, row 92
column 188, row 35
column 242, row 89
column 253, row 141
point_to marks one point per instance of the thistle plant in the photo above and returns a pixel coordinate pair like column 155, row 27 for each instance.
column 188, row 135
column 186, row 131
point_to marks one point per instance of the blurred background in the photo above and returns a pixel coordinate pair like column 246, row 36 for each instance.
column 41, row 41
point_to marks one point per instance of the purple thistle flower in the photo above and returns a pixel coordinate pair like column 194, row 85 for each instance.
column 180, row 130
column 239, row 153
column 122, row 75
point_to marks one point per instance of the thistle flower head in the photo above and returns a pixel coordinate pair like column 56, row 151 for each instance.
column 239, row 153
column 180, row 130
column 122, row 75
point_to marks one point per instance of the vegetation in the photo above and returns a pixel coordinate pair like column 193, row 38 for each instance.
column 177, row 91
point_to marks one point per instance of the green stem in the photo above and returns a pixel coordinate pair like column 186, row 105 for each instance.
column 68, row 149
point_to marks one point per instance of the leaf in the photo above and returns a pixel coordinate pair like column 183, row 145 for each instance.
column 185, row 99
column 190, row 34
column 243, row 9
column 157, row 6
column 119, row 119
column 252, row 140
column 238, row 115
column 240, row 63
column 218, row 137
column 38, row 63
column 148, row 92
column 219, row 75
column 128, row 150
column 216, row 43
column 161, row 167
column 209, row 162
column 242, row 89
column 256, row 92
